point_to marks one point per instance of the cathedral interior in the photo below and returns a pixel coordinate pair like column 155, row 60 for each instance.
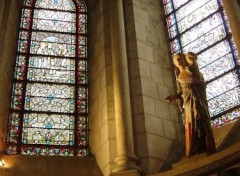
column 83, row 86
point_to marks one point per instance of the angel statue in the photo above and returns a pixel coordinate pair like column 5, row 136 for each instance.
column 191, row 98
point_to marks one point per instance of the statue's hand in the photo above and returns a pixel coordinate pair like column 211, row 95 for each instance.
column 171, row 98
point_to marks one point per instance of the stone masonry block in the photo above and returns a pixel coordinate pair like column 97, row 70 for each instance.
column 149, row 88
column 148, row 104
column 154, row 14
column 102, row 98
column 175, row 114
column 151, row 35
column 132, row 50
column 104, row 114
column 142, row 148
column 144, row 67
column 163, row 38
column 134, row 68
column 154, row 125
column 104, row 133
column 96, row 121
column 162, row 110
column 154, row 165
column 110, row 95
column 111, row 110
column 109, row 75
column 135, row 87
column 139, row 125
column 106, row 170
column 100, row 57
column 158, row 146
column 161, row 57
column 112, row 129
column 168, row 78
column 169, row 129
column 164, row 91
column 94, row 141
column 141, row 16
column 144, row 164
column 141, row 31
column 137, row 104
column 103, row 79
column 93, row 72
column 95, row 89
column 99, row 25
column 113, row 149
column 145, row 52
column 156, row 73
column 102, row 155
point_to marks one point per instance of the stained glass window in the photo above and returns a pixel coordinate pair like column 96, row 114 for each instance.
column 201, row 26
column 49, row 107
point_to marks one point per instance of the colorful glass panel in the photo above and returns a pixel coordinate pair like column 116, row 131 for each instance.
column 218, row 67
column 202, row 27
column 55, row 44
column 54, row 21
column 50, row 96
column 66, row 5
column 227, row 117
column 224, row 102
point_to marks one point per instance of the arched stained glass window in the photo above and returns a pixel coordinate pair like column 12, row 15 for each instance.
column 201, row 26
column 50, row 95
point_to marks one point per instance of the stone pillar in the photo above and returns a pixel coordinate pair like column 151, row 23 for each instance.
column 232, row 10
column 126, row 160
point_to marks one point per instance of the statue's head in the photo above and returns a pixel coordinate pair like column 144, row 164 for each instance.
column 179, row 60
column 191, row 58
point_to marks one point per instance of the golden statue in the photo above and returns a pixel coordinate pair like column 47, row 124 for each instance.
column 191, row 98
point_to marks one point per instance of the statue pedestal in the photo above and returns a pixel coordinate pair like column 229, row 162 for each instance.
column 187, row 161
column 205, row 165
column 126, row 173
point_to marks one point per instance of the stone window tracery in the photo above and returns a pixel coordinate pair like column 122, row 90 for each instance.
column 49, row 107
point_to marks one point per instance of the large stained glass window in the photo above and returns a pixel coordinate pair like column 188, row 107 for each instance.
column 201, row 26
column 50, row 96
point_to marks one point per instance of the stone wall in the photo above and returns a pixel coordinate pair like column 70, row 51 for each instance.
column 102, row 139
column 9, row 16
column 22, row 165
column 101, row 111
column 101, row 101
column 156, row 124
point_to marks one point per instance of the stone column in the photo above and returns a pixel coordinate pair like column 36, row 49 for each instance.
column 232, row 10
column 126, row 160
